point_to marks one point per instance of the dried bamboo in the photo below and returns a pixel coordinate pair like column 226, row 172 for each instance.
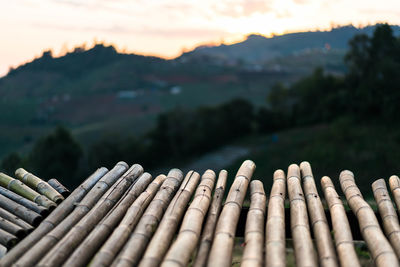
column 211, row 222
column 109, row 250
column 12, row 228
column 50, row 237
column 3, row 251
column 394, row 183
column 254, row 233
column 221, row 249
column 379, row 247
column 181, row 250
column 135, row 246
column 59, row 253
column 7, row 239
column 59, row 187
column 275, row 241
column 84, row 252
column 319, row 223
column 340, row 224
column 303, row 247
column 24, row 202
column 25, row 191
column 39, row 185
column 25, row 214
column 388, row 214
column 15, row 219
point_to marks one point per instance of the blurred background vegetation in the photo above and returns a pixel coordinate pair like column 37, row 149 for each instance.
column 331, row 98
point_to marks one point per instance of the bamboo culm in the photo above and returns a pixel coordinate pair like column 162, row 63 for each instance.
column 60, row 252
column 16, row 220
column 326, row 251
column 222, row 246
column 3, row 251
column 388, row 214
column 24, row 202
column 341, row 228
column 50, row 238
column 114, row 243
column 12, row 228
column 59, row 187
column 25, row 214
column 253, row 254
column 211, row 222
column 6, row 239
column 379, row 247
column 39, row 185
column 25, row 191
column 148, row 223
column 275, row 236
column 394, row 183
column 84, row 252
column 181, row 250
column 303, row 247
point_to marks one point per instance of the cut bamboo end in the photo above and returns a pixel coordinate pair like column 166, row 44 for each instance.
column 394, row 183
column 60, row 188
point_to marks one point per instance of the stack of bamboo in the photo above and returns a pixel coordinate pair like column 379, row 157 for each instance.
column 24, row 202
column 124, row 217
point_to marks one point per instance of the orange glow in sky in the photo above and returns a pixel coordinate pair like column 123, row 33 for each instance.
column 166, row 28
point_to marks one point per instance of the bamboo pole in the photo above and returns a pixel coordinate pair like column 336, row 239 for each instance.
column 15, row 219
column 59, row 187
column 7, row 239
column 340, row 224
column 114, row 243
column 379, row 247
column 303, row 247
column 3, row 251
column 25, row 214
column 394, row 183
column 48, row 237
column 136, row 245
column 25, row 191
column 12, row 228
column 24, row 202
column 221, row 249
column 319, row 223
column 59, row 253
column 84, row 252
column 275, row 241
column 211, row 222
column 253, row 253
column 39, row 185
column 181, row 250
column 388, row 214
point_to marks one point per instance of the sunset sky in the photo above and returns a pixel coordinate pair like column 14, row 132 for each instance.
column 165, row 28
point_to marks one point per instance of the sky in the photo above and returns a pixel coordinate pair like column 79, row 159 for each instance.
column 166, row 28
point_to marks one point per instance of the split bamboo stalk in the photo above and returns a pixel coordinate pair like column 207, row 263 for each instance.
column 47, row 238
column 319, row 223
column 53, row 219
column 24, row 202
column 25, row 214
column 59, row 253
column 15, row 219
column 379, row 247
column 12, row 228
column 275, row 236
column 109, row 250
column 221, row 249
column 3, row 251
column 211, row 222
column 181, row 250
column 388, row 214
column 303, row 247
column 39, row 185
column 7, row 239
column 253, row 253
column 341, row 228
column 59, row 187
column 149, row 221
column 394, row 183
column 84, row 252
column 25, row 191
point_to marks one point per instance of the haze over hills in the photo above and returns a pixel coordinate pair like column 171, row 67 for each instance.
column 99, row 90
